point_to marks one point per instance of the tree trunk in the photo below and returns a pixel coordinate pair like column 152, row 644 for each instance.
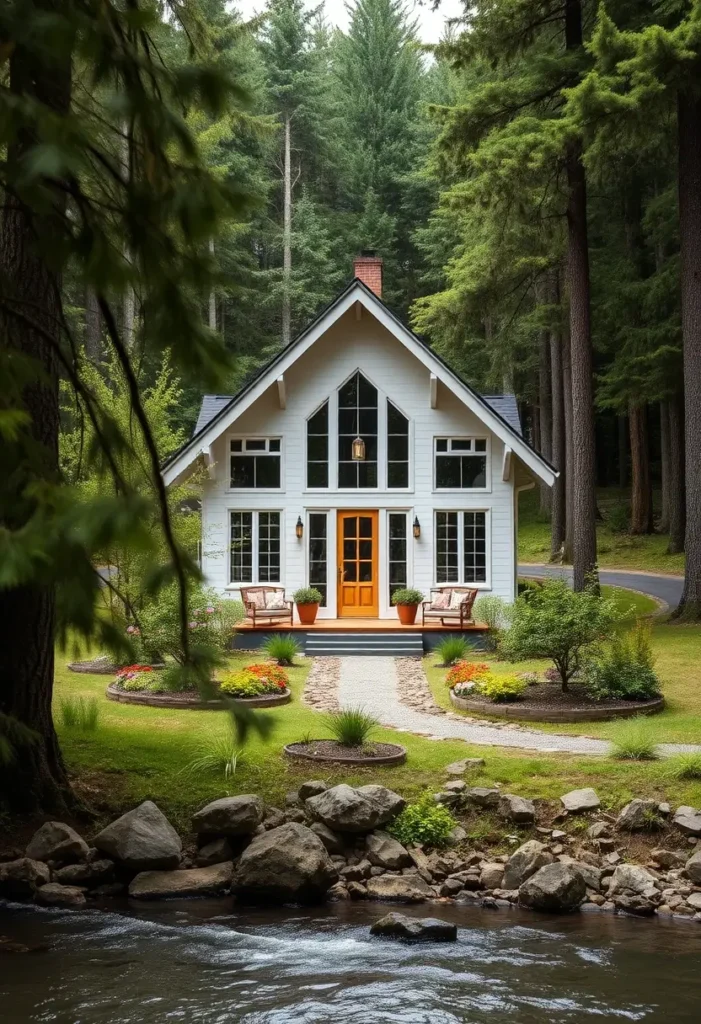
column 583, row 479
column 677, row 508
column 559, row 448
column 665, row 458
column 93, row 327
column 545, row 411
column 622, row 452
column 569, row 450
column 36, row 778
column 641, row 495
column 212, row 297
column 689, row 128
column 287, row 241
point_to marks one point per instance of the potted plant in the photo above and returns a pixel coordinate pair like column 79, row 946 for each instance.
column 407, row 601
column 307, row 600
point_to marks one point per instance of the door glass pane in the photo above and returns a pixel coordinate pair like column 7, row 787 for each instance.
column 350, row 526
column 365, row 572
column 349, row 572
column 365, row 549
column 365, row 526
column 397, row 552
column 349, row 549
column 318, row 553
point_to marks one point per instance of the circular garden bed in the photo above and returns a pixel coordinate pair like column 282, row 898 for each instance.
column 330, row 751
column 547, row 703
column 192, row 699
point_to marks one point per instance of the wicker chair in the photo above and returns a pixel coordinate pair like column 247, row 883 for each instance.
column 272, row 615
column 462, row 615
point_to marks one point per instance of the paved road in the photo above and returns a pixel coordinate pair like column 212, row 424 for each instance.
column 665, row 588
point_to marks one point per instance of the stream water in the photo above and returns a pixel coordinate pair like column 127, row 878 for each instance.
column 206, row 963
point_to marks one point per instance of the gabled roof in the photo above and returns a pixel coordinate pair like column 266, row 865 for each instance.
column 498, row 412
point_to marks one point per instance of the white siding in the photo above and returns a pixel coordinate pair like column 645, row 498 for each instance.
column 366, row 345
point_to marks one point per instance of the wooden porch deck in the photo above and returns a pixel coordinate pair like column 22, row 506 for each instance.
column 352, row 625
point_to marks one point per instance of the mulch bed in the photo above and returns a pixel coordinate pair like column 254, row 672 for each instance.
column 192, row 699
column 548, row 703
column 331, row 751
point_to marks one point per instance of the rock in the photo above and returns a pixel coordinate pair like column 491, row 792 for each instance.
column 19, row 879
column 274, row 817
column 482, row 796
column 308, row 789
column 630, row 878
column 55, row 895
column 669, row 859
column 230, row 816
column 693, row 901
column 163, row 885
column 524, row 862
column 465, row 765
column 217, row 852
column 599, row 830
column 338, row 893
column 96, row 872
column 386, row 852
column 448, row 799
column 613, row 858
column 332, row 842
column 579, row 800
column 589, row 872
column 356, row 872
column 56, row 841
column 398, row 888
column 491, row 876
column 295, row 814
column 142, row 839
column 421, row 862
column 693, row 867
column 517, row 809
column 414, row 929
column 451, row 887
column 357, row 891
column 688, row 820
column 360, row 810
column 557, row 888
column 457, row 835
column 287, row 864
column 109, row 891
column 638, row 816
column 456, row 786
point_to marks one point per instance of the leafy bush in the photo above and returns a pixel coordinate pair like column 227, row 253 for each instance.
column 211, row 623
column 452, row 649
column 685, row 766
column 307, row 595
column 282, row 648
column 134, row 677
column 407, row 596
column 624, row 670
column 466, row 672
column 351, row 727
column 502, row 689
column 81, row 713
column 634, row 741
column 529, row 678
column 618, row 517
column 561, row 624
column 246, row 683
column 424, row 823
column 494, row 612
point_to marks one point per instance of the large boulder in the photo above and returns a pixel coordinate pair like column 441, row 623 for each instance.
column 414, row 929
column 312, row 788
column 399, row 888
column 217, row 852
column 385, row 852
column 332, row 842
column 579, row 800
column 492, row 875
column 638, row 816
column 55, row 895
column 693, row 867
column 141, row 840
column 345, row 809
column 517, row 809
column 56, row 841
column 524, row 862
column 230, row 816
column 19, row 879
column 557, row 888
column 286, row 864
column 631, row 878
column 89, row 875
column 162, row 885
column 688, row 820
column 589, row 872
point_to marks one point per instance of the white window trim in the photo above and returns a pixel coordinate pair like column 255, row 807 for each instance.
column 238, row 436
column 255, row 512
column 487, row 489
column 461, row 582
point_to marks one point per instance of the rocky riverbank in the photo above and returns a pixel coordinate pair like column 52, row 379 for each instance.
column 332, row 844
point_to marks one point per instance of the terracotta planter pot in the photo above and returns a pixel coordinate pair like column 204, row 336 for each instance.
column 307, row 613
column 407, row 613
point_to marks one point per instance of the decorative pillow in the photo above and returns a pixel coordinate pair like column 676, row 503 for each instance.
column 274, row 599
column 256, row 598
column 456, row 599
column 441, row 601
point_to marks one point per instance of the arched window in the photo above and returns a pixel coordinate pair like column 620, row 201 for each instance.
column 357, row 417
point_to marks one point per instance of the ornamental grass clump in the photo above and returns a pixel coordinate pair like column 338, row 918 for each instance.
column 634, row 741
column 452, row 649
column 685, row 767
column 351, row 727
column 424, row 823
column 80, row 713
column 282, row 648
column 218, row 755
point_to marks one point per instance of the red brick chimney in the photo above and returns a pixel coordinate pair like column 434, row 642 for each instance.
column 368, row 268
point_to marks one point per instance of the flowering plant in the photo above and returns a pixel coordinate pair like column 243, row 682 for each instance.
column 465, row 689
column 248, row 683
column 211, row 621
column 273, row 674
column 133, row 677
column 529, row 678
column 466, row 672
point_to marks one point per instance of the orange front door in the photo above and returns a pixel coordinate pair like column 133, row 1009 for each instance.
column 357, row 564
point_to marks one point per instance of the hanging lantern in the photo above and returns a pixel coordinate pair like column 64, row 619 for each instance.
column 417, row 527
column 358, row 450
column 299, row 527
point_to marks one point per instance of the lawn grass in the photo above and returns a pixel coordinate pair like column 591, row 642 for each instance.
column 615, row 550
column 139, row 753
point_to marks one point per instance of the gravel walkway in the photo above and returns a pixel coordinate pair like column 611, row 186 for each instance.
column 374, row 685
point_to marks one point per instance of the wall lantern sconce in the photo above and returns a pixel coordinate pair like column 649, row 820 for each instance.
column 417, row 527
column 358, row 450
column 299, row 528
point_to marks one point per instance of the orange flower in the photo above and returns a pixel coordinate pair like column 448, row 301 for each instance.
column 466, row 672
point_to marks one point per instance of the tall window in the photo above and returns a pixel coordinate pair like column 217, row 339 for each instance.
column 397, row 447
column 397, row 552
column 461, row 463
column 255, row 462
column 255, row 547
column 318, row 553
column 461, row 547
column 357, row 417
column 318, row 448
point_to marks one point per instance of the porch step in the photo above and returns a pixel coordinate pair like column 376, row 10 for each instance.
column 392, row 645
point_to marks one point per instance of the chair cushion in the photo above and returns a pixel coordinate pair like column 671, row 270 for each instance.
column 441, row 601
column 456, row 599
column 256, row 598
column 275, row 600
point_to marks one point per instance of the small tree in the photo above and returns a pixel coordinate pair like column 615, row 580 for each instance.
column 557, row 623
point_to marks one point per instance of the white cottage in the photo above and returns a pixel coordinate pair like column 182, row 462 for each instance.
column 358, row 462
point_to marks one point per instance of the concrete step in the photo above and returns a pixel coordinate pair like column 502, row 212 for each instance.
column 394, row 645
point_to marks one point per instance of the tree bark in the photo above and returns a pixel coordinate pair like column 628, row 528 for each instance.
column 36, row 777
column 287, row 241
column 641, row 494
column 559, row 448
column 622, row 452
column 689, row 174
column 569, row 450
column 93, row 327
column 665, row 459
column 677, row 508
column 545, row 412
column 583, row 479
